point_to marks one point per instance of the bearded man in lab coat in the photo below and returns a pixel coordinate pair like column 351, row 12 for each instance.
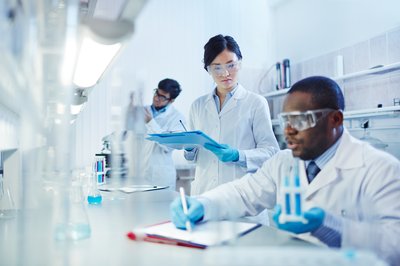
column 353, row 201
column 161, row 116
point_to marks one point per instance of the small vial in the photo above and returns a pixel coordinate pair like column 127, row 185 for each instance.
column 94, row 195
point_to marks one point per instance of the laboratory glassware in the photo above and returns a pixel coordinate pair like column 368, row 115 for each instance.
column 7, row 204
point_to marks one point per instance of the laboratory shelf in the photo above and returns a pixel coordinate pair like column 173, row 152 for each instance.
column 372, row 112
column 276, row 93
column 390, row 111
column 376, row 70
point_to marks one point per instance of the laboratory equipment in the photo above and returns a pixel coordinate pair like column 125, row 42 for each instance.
column 278, row 81
column 375, row 142
column 73, row 223
column 94, row 195
column 7, row 204
column 292, row 195
column 99, row 168
column 286, row 74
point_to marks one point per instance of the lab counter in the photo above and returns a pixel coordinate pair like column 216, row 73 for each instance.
column 33, row 243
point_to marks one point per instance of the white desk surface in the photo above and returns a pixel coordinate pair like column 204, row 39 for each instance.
column 29, row 240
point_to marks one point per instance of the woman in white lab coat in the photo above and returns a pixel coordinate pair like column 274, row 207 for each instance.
column 231, row 115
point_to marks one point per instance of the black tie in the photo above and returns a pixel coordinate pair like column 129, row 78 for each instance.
column 312, row 171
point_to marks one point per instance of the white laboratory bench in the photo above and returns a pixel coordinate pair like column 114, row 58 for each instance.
column 30, row 241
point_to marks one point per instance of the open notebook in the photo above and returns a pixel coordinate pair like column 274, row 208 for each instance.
column 203, row 234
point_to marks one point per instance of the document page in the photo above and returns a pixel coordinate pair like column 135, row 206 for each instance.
column 205, row 234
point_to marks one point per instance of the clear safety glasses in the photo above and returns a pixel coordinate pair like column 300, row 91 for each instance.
column 160, row 97
column 302, row 120
column 220, row 70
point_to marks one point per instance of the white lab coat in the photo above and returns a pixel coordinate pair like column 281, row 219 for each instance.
column 244, row 123
column 360, row 185
column 159, row 168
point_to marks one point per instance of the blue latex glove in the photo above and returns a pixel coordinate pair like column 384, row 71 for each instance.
column 314, row 216
column 224, row 153
column 195, row 212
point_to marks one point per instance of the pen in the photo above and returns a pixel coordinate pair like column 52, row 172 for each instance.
column 180, row 121
column 185, row 208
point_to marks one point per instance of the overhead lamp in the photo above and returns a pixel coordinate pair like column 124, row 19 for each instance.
column 78, row 101
column 101, row 40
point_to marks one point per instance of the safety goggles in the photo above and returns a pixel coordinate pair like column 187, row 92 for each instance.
column 160, row 97
column 302, row 120
column 220, row 70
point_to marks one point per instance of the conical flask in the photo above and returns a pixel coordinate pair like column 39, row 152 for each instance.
column 7, row 204
column 73, row 222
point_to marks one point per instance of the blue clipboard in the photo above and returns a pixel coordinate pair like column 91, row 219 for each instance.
column 183, row 139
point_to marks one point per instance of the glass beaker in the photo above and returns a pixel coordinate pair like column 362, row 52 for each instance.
column 7, row 204
column 94, row 195
column 73, row 223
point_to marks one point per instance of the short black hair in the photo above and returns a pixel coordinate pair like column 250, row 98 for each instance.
column 216, row 45
column 326, row 93
column 170, row 86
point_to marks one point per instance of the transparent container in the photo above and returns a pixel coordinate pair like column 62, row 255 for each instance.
column 94, row 196
column 7, row 204
column 73, row 222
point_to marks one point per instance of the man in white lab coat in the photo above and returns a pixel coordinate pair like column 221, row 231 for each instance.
column 161, row 116
column 353, row 201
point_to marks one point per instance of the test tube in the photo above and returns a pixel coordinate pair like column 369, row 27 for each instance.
column 292, row 196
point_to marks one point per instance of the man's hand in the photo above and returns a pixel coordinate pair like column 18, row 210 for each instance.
column 314, row 216
column 147, row 115
column 195, row 212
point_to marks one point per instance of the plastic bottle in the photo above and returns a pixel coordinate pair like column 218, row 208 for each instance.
column 278, row 84
column 286, row 73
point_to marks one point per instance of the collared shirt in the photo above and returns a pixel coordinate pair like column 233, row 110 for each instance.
column 156, row 113
column 324, row 158
column 227, row 98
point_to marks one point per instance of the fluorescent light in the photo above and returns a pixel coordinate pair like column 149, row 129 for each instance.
column 92, row 61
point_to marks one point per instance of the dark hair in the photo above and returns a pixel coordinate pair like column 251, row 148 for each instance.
column 216, row 45
column 326, row 93
column 171, row 86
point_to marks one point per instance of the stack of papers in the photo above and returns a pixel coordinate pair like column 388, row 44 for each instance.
column 203, row 234
column 180, row 140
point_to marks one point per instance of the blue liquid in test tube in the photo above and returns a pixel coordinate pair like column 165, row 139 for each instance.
column 287, row 196
column 297, row 198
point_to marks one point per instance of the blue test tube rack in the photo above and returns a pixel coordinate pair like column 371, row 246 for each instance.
column 292, row 196
column 99, row 167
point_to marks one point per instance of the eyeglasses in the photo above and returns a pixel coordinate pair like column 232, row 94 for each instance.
column 160, row 97
column 220, row 70
column 302, row 120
